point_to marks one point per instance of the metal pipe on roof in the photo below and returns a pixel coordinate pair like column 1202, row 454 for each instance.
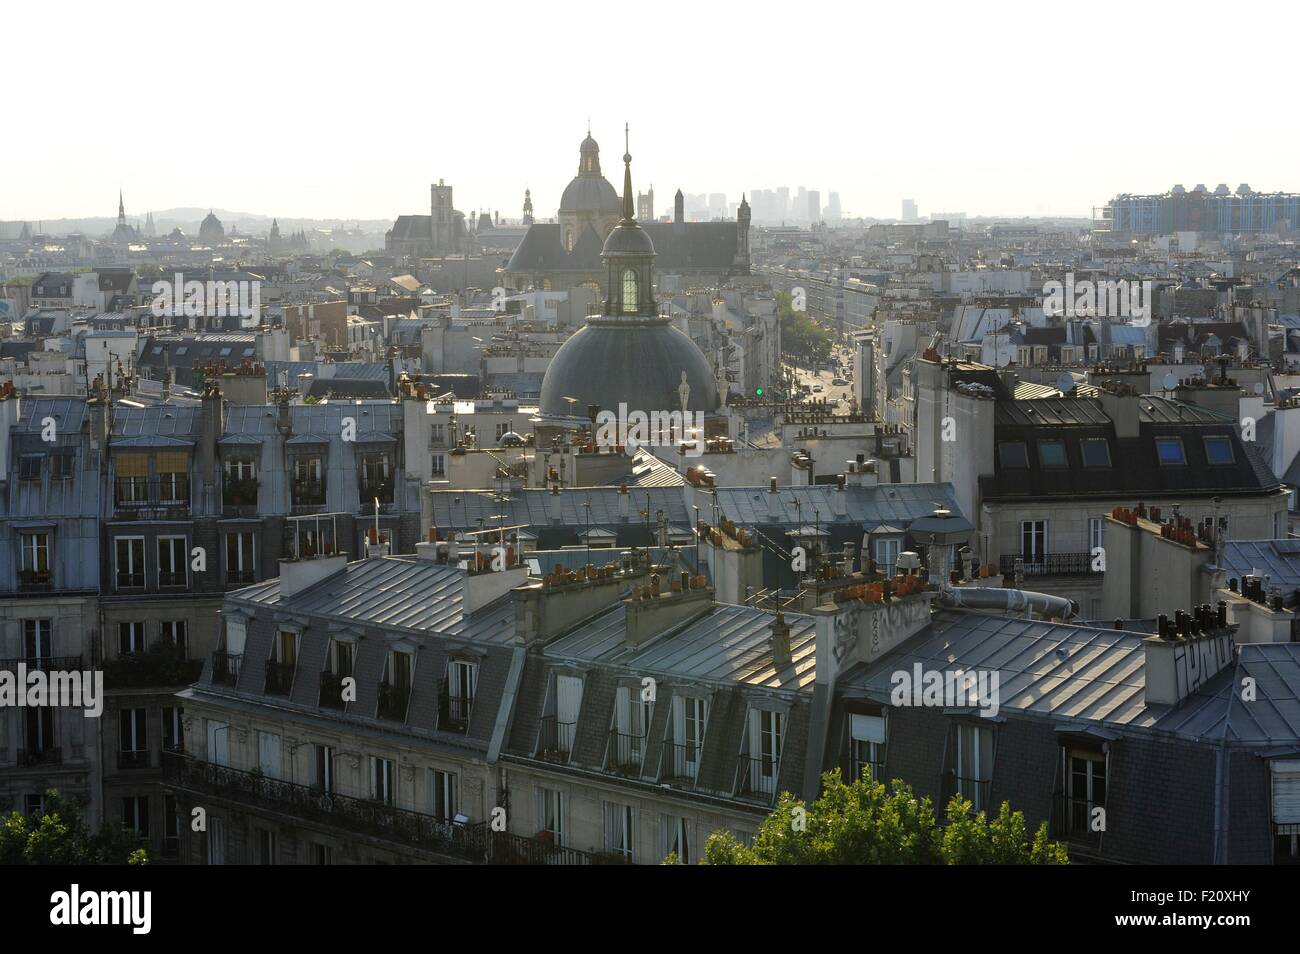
column 992, row 597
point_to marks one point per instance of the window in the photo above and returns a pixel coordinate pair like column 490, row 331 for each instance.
column 383, row 780
column 763, row 762
column 439, row 465
column 172, row 561
column 268, row 754
column 340, row 657
column 620, row 829
column 284, row 659
column 62, row 465
column 323, row 764
column 631, row 723
column 265, row 846
column 240, row 564
column 1085, row 790
column 241, row 468
column 173, row 476
column 629, row 291
column 1096, row 452
column 1285, row 788
column 174, row 633
column 1218, row 451
column 135, row 814
column 216, row 841
column 1096, row 534
column 1169, row 451
column 974, row 764
column 36, row 640
column 558, row 727
column 462, row 680
column 438, row 434
column 502, row 430
column 35, row 557
column 395, row 689
column 218, row 742
column 676, row 838
column 130, row 638
column 690, row 722
column 442, row 795
column 866, row 746
column 886, row 553
column 173, row 729
column 1052, row 454
column 1013, row 455
column 132, row 733
column 550, row 815
column 29, row 467
column 321, row 854
column 1033, row 540
column 130, row 562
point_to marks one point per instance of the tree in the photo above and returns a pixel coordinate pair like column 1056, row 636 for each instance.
column 863, row 823
column 799, row 334
column 61, row 836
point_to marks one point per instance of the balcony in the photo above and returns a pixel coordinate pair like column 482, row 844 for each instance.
column 1050, row 564
column 133, row 759
column 625, row 753
column 43, row 663
column 453, row 711
column 225, row 668
column 331, row 691
column 158, row 666
column 152, row 498
column 393, row 701
column 555, row 739
column 129, row 579
column 1072, row 821
column 307, row 495
column 974, row 790
column 35, row 581
column 239, row 497
column 50, row 755
column 279, row 678
column 310, row 804
column 383, row 489
column 680, row 763
column 756, row 776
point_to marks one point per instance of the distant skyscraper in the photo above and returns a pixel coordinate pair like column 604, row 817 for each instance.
column 814, row 205
column 645, row 205
column 833, row 211
column 909, row 210
column 781, row 210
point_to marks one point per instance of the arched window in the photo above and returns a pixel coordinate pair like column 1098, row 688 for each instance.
column 629, row 291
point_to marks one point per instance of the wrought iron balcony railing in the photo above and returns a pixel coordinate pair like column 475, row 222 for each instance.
column 974, row 790
column 134, row 759
column 625, row 753
column 393, row 701
column 680, row 762
column 35, row 581
column 453, row 711
column 1076, row 820
column 331, row 690
column 49, row 755
column 308, row 493
column 279, row 678
column 43, row 663
column 170, row 492
column 555, row 739
column 225, row 668
column 1050, row 564
column 756, row 776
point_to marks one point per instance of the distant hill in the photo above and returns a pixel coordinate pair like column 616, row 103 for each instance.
column 188, row 219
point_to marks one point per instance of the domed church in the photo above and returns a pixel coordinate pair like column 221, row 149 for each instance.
column 629, row 354
column 568, row 253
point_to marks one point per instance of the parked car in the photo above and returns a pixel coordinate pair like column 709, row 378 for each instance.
column 839, row 383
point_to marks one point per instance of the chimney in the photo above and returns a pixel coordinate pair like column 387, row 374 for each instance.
column 773, row 499
column 1120, row 403
column 1187, row 654
column 550, row 607
column 298, row 575
column 654, row 608
column 856, row 631
column 553, row 504
column 780, row 642
column 840, row 497
column 9, row 407
column 624, row 502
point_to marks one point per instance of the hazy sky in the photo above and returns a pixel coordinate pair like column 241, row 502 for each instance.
column 333, row 110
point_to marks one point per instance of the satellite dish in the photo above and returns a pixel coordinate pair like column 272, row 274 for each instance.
column 1171, row 381
column 1065, row 382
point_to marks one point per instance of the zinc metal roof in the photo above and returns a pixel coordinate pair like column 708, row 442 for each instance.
column 1277, row 559
column 390, row 592
column 161, row 420
column 728, row 645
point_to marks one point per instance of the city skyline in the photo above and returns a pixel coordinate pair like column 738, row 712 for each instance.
column 1018, row 148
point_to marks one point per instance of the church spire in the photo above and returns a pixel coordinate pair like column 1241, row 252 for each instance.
column 629, row 210
column 121, row 209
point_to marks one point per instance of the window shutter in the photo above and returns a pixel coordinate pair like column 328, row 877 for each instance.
column 865, row 728
column 172, row 462
column 1286, row 791
column 133, row 465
